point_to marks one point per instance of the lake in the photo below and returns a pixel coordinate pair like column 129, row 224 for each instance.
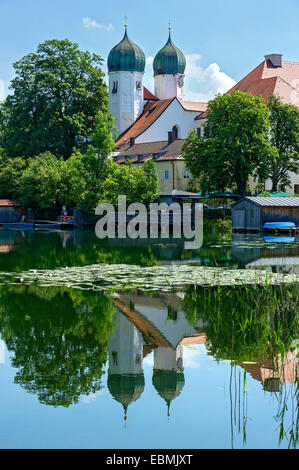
column 134, row 365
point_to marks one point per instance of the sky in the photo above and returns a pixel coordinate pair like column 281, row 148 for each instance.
column 222, row 40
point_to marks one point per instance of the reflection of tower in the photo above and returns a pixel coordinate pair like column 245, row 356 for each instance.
column 168, row 377
column 125, row 374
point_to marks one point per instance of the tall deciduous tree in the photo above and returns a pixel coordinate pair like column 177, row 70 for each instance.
column 235, row 143
column 56, row 94
column 284, row 132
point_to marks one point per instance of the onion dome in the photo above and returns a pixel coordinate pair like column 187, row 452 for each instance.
column 168, row 384
column 126, row 56
column 169, row 60
column 126, row 388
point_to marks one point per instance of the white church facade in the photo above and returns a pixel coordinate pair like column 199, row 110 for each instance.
column 155, row 126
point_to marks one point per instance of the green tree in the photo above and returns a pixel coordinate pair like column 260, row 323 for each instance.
column 284, row 132
column 10, row 173
column 234, row 146
column 137, row 183
column 47, row 183
column 57, row 93
column 89, row 169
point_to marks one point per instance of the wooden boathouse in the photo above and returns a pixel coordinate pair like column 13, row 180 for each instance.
column 252, row 212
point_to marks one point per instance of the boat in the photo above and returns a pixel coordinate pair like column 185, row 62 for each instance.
column 279, row 239
column 279, row 225
column 48, row 226
column 19, row 225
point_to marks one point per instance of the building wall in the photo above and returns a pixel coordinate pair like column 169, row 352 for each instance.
column 127, row 104
column 256, row 216
column 246, row 215
column 174, row 115
column 166, row 86
column 175, row 180
column 289, row 189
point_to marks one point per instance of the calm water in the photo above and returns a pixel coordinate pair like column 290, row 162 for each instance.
column 201, row 368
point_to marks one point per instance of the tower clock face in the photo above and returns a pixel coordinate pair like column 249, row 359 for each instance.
column 180, row 82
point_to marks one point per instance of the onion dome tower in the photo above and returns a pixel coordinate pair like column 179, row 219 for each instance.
column 168, row 384
column 126, row 388
column 169, row 67
column 126, row 63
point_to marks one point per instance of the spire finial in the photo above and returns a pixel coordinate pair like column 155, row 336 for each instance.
column 169, row 29
column 126, row 22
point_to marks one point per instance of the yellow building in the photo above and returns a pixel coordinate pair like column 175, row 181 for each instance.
column 167, row 158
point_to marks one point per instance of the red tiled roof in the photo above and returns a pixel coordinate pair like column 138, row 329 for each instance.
column 150, row 114
column 147, row 95
column 194, row 106
column 146, row 151
column 266, row 80
column 9, row 203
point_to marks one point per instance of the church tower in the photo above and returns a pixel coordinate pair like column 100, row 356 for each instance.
column 126, row 63
column 169, row 67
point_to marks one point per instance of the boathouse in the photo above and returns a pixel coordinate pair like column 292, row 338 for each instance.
column 252, row 212
column 10, row 211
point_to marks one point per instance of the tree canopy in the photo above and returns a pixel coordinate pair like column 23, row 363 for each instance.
column 56, row 93
column 235, row 143
column 284, row 136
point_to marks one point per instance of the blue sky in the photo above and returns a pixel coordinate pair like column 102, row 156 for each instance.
column 222, row 39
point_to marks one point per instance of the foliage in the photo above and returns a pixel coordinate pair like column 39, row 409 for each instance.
column 137, row 183
column 246, row 323
column 47, row 183
column 284, row 136
column 234, row 146
column 10, row 174
column 57, row 93
column 59, row 338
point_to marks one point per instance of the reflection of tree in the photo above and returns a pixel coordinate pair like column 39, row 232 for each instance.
column 44, row 251
column 257, row 325
column 59, row 338
column 246, row 323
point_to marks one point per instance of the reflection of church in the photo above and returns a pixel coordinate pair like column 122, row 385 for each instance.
column 143, row 325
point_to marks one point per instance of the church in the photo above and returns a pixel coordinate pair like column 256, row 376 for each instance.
column 155, row 125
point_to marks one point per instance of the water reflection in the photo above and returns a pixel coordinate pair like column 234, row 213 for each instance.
column 23, row 250
column 60, row 340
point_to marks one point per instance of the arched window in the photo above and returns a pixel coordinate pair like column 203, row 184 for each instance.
column 175, row 132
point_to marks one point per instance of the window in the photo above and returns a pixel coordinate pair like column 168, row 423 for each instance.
column 198, row 130
column 165, row 174
column 114, row 87
column 114, row 358
column 138, row 85
column 296, row 188
column 186, row 175
column 175, row 132
column 138, row 359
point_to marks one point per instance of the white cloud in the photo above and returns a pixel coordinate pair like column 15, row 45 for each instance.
column 2, row 91
column 89, row 23
column 200, row 84
column 192, row 355
column 203, row 84
column 148, row 79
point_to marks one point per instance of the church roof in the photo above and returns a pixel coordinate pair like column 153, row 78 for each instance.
column 169, row 60
column 158, row 151
column 168, row 384
column 147, row 95
column 194, row 106
column 267, row 79
column 150, row 114
column 126, row 56
column 126, row 388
